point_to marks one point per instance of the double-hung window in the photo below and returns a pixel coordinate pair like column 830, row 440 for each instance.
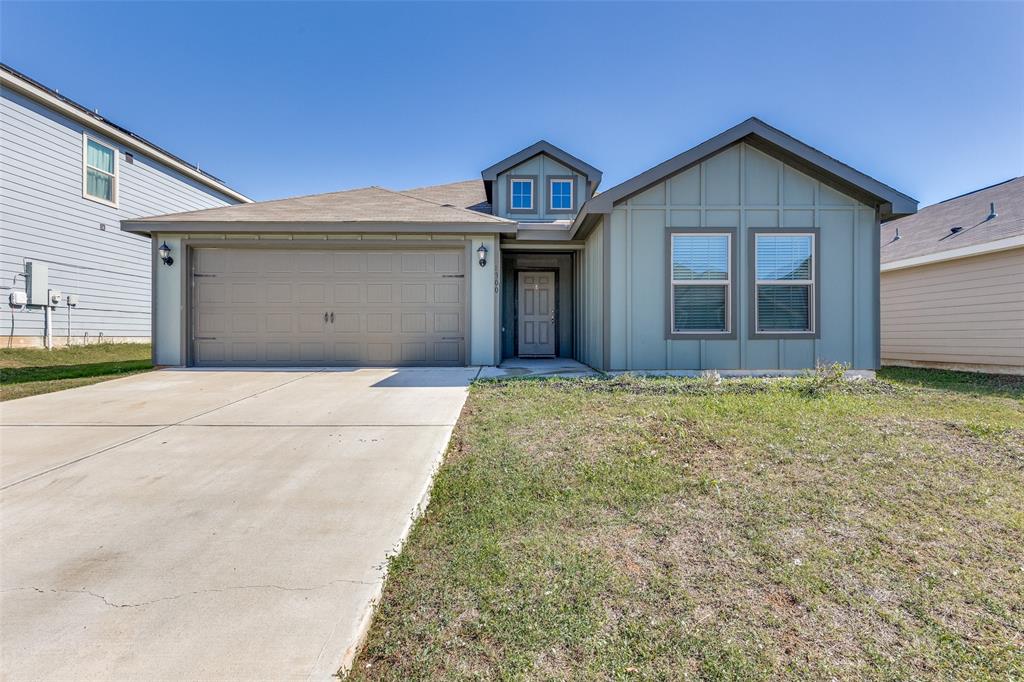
column 99, row 171
column 521, row 194
column 560, row 191
column 701, row 288
column 784, row 293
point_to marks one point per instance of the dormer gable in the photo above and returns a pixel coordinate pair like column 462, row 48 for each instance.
column 540, row 183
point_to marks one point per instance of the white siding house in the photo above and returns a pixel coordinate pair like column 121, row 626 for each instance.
column 67, row 179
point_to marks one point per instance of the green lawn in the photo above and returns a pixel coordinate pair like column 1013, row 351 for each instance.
column 31, row 371
column 669, row 529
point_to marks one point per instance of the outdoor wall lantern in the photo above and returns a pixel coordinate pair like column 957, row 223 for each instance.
column 165, row 254
column 482, row 255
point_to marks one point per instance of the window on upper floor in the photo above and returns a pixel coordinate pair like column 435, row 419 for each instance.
column 521, row 194
column 785, row 283
column 99, row 171
column 701, row 296
column 560, row 192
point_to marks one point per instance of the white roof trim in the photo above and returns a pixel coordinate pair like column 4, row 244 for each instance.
column 40, row 95
column 954, row 254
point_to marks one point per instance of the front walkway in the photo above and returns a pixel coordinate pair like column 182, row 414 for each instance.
column 537, row 367
column 210, row 524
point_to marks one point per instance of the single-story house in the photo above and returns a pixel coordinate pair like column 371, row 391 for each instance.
column 68, row 177
column 953, row 283
column 750, row 251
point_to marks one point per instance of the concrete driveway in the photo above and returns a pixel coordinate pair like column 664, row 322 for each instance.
column 210, row 524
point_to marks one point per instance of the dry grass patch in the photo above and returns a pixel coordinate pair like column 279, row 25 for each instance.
column 666, row 529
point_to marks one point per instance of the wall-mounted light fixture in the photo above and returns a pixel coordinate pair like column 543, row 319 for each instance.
column 165, row 254
column 481, row 253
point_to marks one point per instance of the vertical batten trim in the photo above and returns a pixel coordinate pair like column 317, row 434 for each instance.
column 854, row 298
column 876, row 289
column 606, row 258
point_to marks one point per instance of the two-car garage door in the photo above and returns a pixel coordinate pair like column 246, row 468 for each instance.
column 398, row 307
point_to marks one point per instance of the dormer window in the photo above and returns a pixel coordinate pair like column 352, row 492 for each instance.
column 521, row 194
column 560, row 192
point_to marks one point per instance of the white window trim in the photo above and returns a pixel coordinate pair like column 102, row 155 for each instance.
column 551, row 194
column 511, row 193
column 811, row 283
column 727, row 282
column 85, row 170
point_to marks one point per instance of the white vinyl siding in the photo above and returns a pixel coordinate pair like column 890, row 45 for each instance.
column 701, row 281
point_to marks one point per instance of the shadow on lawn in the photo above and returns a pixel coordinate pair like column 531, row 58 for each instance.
column 971, row 383
column 21, row 375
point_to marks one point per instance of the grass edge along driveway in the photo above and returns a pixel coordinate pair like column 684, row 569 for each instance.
column 660, row 528
column 33, row 371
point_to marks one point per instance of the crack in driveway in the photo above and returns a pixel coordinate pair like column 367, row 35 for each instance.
column 130, row 605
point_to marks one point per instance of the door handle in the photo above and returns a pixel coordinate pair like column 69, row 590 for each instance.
column 332, row 317
column 325, row 317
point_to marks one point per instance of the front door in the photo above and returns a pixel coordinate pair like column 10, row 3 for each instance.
column 536, row 314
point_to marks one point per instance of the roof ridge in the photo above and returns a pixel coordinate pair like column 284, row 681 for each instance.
column 476, row 214
column 980, row 189
column 443, row 184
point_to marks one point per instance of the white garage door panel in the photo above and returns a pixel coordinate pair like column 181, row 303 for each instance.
column 291, row 307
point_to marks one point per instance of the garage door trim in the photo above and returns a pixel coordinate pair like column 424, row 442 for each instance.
column 189, row 245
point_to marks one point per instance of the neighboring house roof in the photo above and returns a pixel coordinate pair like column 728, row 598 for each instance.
column 364, row 206
column 22, row 84
column 491, row 173
column 928, row 236
column 790, row 150
column 467, row 194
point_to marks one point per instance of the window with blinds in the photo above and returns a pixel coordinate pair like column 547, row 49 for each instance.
column 784, row 289
column 99, row 172
column 701, row 283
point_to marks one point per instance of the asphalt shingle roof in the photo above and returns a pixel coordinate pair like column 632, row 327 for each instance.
column 929, row 230
column 364, row 205
column 468, row 194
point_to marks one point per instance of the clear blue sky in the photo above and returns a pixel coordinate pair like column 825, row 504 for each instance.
column 298, row 98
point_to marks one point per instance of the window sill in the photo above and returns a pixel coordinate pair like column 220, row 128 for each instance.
column 700, row 336
column 775, row 336
column 89, row 197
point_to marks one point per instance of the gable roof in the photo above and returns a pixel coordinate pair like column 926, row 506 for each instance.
column 774, row 142
column 364, row 206
column 491, row 173
column 929, row 232
column 36, row 91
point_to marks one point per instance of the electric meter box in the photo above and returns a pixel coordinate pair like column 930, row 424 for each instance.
column 37, row 283
column 55, row 297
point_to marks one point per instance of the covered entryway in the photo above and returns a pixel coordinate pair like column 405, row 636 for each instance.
column 538, row 311
column 348, row 307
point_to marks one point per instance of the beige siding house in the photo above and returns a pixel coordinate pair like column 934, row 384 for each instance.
column 952, row 287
